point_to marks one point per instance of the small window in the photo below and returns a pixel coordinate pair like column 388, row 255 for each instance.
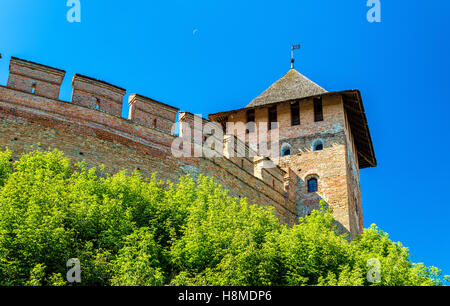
column 312, row 185
column 97, row 103
column 286, row 150
column 154, row 123
column 273, row 122
column 318, row 145
column 250, row 121
column 33, row 88
column 295, row 114
column 318, row 111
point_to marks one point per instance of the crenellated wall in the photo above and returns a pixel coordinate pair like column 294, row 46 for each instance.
column 90, row 128
column 152, row 113
column 35, row 78
column 97, row 94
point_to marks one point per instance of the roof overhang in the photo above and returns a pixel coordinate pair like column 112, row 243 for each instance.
column 356, row 117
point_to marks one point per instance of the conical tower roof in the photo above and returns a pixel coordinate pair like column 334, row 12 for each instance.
column 293, row 85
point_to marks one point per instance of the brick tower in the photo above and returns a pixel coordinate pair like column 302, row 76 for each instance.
column 323, row 138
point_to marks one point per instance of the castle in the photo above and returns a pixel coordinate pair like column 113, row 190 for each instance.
column 322, row 138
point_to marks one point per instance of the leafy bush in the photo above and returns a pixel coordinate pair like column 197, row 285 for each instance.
column 129, row 230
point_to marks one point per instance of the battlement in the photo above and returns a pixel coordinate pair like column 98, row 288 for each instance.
column 152, row 113
column 90, row 128
column 97, row 94
column 45, row 81
column 239, row 153
column 35, row 78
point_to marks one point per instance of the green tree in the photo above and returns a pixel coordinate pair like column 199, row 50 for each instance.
column 129, row 230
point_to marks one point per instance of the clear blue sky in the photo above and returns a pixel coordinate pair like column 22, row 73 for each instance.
column 239, row 48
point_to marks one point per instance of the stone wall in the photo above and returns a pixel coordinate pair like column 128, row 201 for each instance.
column 335, row 167
column 97, row 134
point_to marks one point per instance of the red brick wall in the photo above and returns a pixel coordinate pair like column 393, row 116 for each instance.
column 152, row 113
column 25, row 76
column 98, row 95
column 337, row 173
column 102, row 137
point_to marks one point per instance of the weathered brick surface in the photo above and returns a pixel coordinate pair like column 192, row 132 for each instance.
column 90, row 128
column 96, row 94
column 26, row 76
column 335, row 167
column 100, row 136
column 152, row 113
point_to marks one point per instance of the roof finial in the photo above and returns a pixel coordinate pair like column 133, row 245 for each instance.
column 294, row 47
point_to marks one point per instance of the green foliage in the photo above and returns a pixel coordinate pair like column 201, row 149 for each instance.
column 129, row 230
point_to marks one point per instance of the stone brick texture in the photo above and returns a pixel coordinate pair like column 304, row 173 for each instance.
column 152, row 113
column 335, row 167
column 89, row 128
column 97, row 94
column 26, row 76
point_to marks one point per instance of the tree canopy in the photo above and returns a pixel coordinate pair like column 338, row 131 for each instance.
column 126, row 229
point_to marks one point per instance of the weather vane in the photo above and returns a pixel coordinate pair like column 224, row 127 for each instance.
column 294, row 47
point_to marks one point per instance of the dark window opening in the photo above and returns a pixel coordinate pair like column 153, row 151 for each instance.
column 295, row 114
column 312, row 185
column 33, row 88
column 318, row 110
column 273, row 122
column 154, row 123
column 97, row 103
column 318, row 145
column 250, row 121
column 285, row 150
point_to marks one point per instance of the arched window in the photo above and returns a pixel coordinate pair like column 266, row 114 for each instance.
column 286, row 149
column 312, row 185
column 317, row 145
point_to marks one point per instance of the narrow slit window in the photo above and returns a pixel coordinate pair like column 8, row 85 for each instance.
column 33, row 88
column 312, row 185
column 295, row 114
column 273, row 122
column 318, row 110
column 250, row 121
